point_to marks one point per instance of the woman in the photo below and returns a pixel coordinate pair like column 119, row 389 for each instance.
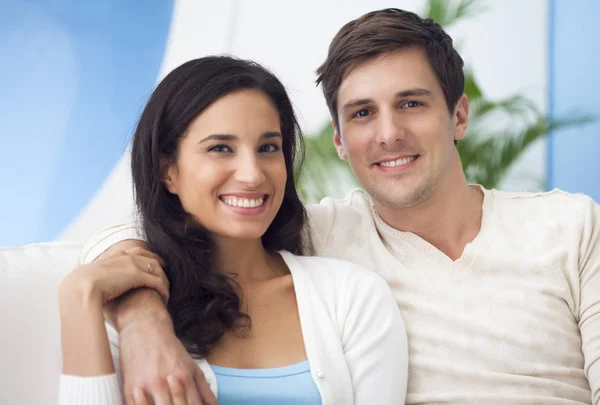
column 213, row 171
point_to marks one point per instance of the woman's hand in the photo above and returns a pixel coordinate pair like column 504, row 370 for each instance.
column 82, row 295
column 104, row 280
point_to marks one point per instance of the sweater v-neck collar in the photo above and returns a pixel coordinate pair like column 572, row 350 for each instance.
column 392, row 236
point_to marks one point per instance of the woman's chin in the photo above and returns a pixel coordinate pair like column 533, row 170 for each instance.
column 246, row 233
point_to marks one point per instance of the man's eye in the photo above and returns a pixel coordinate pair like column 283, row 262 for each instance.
column 362, row 113
column 411, row 104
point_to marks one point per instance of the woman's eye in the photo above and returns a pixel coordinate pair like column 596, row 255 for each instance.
column 219, row 148
column 269, row 148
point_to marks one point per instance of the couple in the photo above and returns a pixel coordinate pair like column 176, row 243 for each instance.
column 499, row 292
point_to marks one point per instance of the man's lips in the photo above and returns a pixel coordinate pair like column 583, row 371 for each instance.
column 397, row 161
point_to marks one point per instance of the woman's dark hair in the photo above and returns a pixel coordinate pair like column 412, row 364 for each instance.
column 203, row 301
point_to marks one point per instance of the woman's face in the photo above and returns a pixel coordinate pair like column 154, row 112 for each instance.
column 230, row 172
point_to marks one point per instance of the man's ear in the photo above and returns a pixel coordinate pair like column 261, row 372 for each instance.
column 461, row 117
column 337, row 141
column 169, row 174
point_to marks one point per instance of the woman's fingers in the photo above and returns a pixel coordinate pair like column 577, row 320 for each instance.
column 139, row 251
column 156, row 282
column 151, row 266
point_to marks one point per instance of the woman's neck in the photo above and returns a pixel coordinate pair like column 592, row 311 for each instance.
column 248, row 259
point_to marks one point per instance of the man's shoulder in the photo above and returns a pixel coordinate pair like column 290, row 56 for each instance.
column 355, row 200
column 554, row 209
column 553, row 194
column 340, row 216
column 554, row 199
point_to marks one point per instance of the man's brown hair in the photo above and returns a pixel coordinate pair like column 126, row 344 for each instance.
column 389, row 30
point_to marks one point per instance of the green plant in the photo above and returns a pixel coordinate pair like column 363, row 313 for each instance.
column 486, row 154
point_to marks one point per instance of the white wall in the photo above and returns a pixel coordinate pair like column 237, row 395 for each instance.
column 506, row 46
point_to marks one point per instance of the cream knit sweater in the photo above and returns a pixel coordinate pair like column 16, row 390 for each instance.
column 515, row 320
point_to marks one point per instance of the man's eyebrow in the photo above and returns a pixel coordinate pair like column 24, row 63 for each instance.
column 355, row 103
column 417, row 91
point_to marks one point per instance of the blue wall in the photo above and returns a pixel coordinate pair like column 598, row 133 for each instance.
column 574, row 154
column 75, row 76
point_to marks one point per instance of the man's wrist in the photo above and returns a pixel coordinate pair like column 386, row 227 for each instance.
column 141, row 305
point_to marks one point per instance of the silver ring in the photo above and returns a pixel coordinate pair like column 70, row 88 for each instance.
column 150, row 269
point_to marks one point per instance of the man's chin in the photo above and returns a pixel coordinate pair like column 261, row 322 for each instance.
column 400, row 198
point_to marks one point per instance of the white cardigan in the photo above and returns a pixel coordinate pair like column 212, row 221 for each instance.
column 353, row 333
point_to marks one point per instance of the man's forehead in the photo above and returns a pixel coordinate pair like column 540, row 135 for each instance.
column 387, row 75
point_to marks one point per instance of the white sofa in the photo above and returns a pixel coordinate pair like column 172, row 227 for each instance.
column 30, row 337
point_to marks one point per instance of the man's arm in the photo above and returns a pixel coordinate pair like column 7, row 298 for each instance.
column 112, row 240
column 589, row 313
column 150, row 351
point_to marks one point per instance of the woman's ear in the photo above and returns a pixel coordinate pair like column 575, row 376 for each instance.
column 168, row 171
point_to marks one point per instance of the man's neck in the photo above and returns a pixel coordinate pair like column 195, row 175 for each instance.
column 448, row 220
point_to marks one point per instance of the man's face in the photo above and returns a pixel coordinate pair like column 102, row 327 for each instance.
column 395, row 129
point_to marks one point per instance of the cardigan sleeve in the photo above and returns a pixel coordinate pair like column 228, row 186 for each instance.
column 95, row 390
column 374, row 341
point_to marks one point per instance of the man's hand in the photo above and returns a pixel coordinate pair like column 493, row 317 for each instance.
column 150, row 353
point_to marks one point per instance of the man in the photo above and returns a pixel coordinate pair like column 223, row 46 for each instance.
column 500, row 291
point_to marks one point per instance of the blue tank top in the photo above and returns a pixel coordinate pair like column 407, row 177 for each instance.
column 291, row 385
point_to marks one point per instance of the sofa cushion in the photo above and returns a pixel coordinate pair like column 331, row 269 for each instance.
column 30, row 338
